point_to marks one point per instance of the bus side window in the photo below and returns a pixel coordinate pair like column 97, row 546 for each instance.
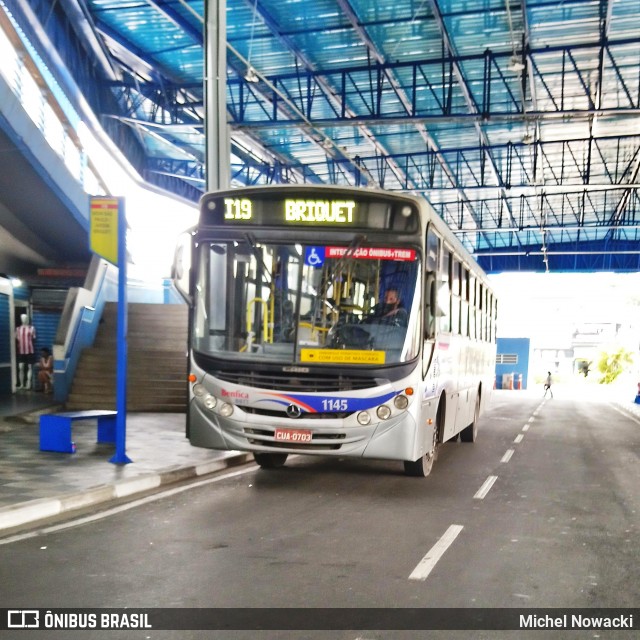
column 444, row 292
column 494, row 314
column 472, row 307
column 480, row 319
column 464, row 303
column 431, row 284
column 487, row 316
column 455, row 296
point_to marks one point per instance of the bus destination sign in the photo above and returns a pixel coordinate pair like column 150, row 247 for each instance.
column 336, row 212
column 231, row 209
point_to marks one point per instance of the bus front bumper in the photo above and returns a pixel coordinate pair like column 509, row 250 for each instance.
column 393, row 439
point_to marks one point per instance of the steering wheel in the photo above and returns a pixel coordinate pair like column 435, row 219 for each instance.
column 351, row 335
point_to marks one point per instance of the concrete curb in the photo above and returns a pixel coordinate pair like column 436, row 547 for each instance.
column 34, row 510
column 631, row 409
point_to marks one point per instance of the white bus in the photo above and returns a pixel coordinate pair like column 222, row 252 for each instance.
column 332, row 321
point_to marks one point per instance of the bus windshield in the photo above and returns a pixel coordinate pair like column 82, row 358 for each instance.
column 307, row 303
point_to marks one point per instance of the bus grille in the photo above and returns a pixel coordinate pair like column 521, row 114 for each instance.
column 282, row 414
column 307, row 446
column 281, row 381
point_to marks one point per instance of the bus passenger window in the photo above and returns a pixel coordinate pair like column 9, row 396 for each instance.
column 444, row 292
column 480, row 319
column 464, row 304
column 455, row 296
column 492, row 337
column 431, row 284
column 487, row 317
column 472, row 307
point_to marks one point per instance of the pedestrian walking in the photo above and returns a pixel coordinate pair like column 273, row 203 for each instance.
column 547, row 385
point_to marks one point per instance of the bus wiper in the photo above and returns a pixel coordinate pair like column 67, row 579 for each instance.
column 355, row 244
column 258, row 254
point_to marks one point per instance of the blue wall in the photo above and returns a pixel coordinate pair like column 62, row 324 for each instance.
column 5, row 345
column 46, row 325
column 510, row 349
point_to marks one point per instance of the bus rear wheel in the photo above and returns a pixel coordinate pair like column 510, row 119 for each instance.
column 270, row 460
column 470, row 432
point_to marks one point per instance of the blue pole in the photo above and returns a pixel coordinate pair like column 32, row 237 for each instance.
column 120, row 456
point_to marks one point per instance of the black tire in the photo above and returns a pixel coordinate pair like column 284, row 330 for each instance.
column 470, row 432
column 270, row 460
column 421, row 467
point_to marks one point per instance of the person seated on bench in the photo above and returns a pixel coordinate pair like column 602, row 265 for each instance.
column 45, row 371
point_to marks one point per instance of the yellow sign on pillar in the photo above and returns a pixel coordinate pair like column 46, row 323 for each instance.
column 103, row 236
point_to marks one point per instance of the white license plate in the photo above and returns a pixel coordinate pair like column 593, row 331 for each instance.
column 292, row 436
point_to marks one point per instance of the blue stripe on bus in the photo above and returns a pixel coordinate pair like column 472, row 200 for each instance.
column 326, row 404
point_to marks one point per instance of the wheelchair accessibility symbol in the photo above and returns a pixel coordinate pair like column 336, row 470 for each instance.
column 314, row 256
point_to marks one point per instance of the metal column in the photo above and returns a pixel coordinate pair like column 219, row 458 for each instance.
column 215, row 87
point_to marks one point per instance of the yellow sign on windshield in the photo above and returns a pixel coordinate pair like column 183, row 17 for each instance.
column 342, row 356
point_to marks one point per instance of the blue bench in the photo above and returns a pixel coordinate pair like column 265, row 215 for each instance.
column 55, row 428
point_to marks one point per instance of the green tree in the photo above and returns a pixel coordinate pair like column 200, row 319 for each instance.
column 612, row 364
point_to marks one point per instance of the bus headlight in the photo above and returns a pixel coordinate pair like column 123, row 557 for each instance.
column 210, row 401
column 401, row 402
column 199, row 390
column 226, row 409
column 383, row 412
column 364, row 418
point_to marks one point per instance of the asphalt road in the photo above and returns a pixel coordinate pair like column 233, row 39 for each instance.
column 542, row 511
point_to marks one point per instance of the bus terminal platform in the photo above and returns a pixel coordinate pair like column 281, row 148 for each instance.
column 38, row 485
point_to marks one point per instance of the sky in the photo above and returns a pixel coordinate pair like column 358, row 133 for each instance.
column 533, row 302
column 549, row 308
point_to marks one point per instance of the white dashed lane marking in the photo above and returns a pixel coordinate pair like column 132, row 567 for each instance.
column 426, row 565
column 507, row 456
column 485, row 488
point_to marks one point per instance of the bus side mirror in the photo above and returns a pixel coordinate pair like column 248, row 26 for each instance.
column 430, row 300
column 181, row 269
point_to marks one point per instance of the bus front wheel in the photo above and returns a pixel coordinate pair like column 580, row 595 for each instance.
column 422, row 467
column 270, row 460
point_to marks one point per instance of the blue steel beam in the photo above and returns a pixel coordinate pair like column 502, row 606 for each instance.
column 328, row 92
column 408, row 104
column 616, row 256
column 373, row 109
column 607, row 172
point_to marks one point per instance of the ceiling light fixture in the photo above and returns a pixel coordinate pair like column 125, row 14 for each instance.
column 515, row 65
column 251, row 75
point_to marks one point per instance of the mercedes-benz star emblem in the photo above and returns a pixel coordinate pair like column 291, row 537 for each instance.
column 294, row 411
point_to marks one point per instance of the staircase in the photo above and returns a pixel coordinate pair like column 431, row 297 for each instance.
column 157, row 363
